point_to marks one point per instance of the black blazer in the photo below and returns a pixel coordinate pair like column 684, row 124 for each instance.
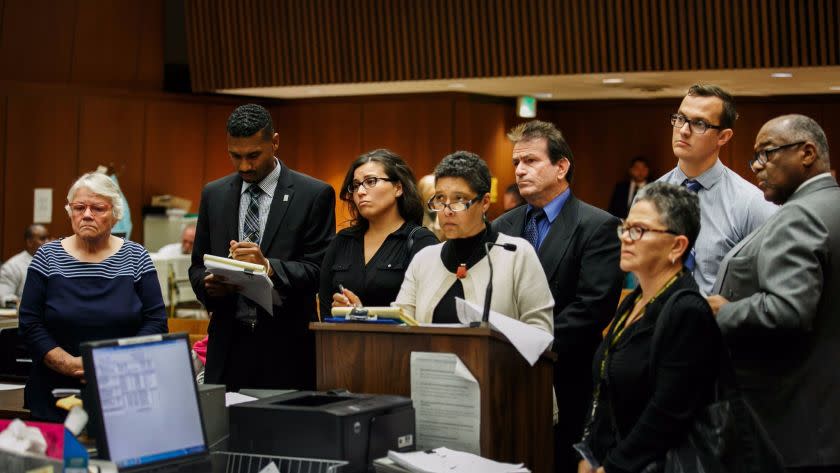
column 580, row 258
column 618, row 201
column 301, row 223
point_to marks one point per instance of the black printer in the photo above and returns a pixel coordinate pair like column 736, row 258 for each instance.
column 357, row 428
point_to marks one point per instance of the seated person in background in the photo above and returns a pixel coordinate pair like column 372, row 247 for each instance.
column 459, row 267
column 653, row 415
column 369, row 258
column 426, row 186
column 183, row 248
column 13, row 272
column 625, row 191
column 512, row 199
column 89, row 286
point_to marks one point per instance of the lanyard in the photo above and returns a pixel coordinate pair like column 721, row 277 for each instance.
column 614, row 335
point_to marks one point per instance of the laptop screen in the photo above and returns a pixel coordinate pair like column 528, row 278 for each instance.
column 147, row 400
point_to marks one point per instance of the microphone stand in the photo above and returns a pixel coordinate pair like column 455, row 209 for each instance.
column 488, row 293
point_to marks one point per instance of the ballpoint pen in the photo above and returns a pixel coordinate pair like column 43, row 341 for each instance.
column 341, row 290
column 247, row 238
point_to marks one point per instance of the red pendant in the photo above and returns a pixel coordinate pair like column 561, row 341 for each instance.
column 461, row 273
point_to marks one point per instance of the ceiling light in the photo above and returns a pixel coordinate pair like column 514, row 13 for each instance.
column 526, row 106
column 456, row 85
column 781, row 75
column 612, row 80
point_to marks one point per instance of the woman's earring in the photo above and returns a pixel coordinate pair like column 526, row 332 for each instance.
column 673, row 260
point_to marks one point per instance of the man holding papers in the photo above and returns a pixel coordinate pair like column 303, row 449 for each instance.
column 282, row 220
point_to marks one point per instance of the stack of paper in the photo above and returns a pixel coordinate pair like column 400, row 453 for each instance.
column 251, row 278
column 444, row 460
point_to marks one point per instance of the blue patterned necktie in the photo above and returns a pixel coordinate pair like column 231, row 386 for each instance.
column 252, row 216
column 531, row 231
column 690, row 262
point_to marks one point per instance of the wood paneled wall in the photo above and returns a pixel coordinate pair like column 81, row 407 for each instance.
column 259, row 43
column 102, row 42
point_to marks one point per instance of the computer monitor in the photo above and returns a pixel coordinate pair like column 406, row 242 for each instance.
column 145, row 401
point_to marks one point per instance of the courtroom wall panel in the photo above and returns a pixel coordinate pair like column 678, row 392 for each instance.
column 321, row 139
column 217, row 162
column 118, row 41
column 3, row 173
column 418, row 128
column 174, row 152
column 111, row 132
column 98, row 42
column 41, row 151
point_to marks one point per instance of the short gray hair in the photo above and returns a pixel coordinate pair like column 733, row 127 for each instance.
column 679, row 209
column 101, row 185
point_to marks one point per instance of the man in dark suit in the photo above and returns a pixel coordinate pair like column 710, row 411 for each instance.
column 579, row 252
column 625, row 191
column 778, row 297
column 268, row 214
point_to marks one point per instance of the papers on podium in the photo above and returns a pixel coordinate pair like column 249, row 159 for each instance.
column 528, row 340
column 447, row 402
column 251, row 278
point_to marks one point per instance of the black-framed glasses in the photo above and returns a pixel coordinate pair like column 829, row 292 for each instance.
column 436, row 204
column 636, row 232
column 696, row 126
column 368, row 183
column 761, row 157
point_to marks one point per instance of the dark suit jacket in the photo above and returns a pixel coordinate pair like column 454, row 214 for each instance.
column 301, row 223
column 618, row 201
column 580, row 258
column 783, row 324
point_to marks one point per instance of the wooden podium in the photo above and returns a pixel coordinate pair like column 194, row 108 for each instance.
column 516, row 398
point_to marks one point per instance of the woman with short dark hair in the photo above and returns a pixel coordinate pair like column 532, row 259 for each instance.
column 459, row 267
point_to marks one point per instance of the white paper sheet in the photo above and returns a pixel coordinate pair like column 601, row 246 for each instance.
column 42, row 212
column 444, row 460
column 255, row 286
column 10, row 387
column 447, row 402
column 528, row 340
column 232, row 398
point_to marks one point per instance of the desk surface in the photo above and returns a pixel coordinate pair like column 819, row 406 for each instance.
column 11, row 404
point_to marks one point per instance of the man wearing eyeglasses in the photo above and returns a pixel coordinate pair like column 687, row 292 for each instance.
column 579, row 253
column 264, row 213
column 730, row 206
column 777, row 298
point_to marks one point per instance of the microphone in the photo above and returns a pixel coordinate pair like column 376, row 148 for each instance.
column 488, row 294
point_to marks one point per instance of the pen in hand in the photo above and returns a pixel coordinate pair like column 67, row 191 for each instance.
column 342, row 290
column 248, row 238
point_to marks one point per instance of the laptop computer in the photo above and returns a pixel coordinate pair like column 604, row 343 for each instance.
column 144, row 403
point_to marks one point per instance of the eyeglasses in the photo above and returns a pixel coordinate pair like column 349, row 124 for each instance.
column 95, row 209
column 696, row 126
column 636, row 233
column 436, row 204
column 760, row 158
column 367, row 183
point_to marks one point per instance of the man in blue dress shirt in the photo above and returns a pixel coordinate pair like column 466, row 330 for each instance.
column 730, row 206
